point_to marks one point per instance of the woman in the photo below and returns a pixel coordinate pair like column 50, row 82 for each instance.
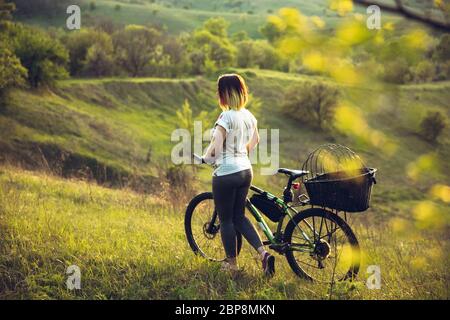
column 235, row 135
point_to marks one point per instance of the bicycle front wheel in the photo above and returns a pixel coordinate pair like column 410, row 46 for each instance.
column 322, row 246
column 202, row 228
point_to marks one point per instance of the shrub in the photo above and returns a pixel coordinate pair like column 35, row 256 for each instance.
column 311, row 103
column 44, row 57
column 134, row 47
column 397, row 71
column 425, row 71
column 12, row 73
column 432, row 125
column 84, row 59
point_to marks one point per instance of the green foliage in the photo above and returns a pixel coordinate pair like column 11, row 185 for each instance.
column 425, row 71
column 259, row 54
column 432, row 125
column 217, row 27
column 6, row 10
column 397, row 71
column 44, row 57
column 135, row 47
column 271, row 31
column 89, row 48
column 442, row 50
column 12, row 73
column 210, row 47
column 240, row 36
column 99, row 60
column 38, row 7
column 311, row 103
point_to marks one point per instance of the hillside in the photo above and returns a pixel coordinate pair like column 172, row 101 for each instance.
column 123, row 126
column 184, row 16
column 103, row 129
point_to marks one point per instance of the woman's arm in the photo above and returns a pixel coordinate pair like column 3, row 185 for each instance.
column 216, row 145
column 253, row 141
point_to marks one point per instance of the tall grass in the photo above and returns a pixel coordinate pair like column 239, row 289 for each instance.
column 132, row 246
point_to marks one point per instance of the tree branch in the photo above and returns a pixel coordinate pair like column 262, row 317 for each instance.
column 408, row 13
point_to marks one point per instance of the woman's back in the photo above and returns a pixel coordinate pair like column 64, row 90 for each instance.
column 240, row 126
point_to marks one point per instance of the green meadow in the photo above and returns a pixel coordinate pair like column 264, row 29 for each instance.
column 120, row 238
column 86, row 176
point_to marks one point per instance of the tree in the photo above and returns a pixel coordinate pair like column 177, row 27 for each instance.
column 433, row 125
column 6, row 10
column 135, row 46
column 271, row 31
column 41, row 7
column 99, row 60
column 425, row 71
column 311, row 102
column 442, row 50
column 12, row 73
column 44, row 58
column 259, row 54
column 84, row 58
column 217, row 26
column 210, row 48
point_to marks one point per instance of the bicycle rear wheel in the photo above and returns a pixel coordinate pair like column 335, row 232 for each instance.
column 322, row 246
column 202, row 233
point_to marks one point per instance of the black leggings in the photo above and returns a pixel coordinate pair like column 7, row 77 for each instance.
column 230, row 194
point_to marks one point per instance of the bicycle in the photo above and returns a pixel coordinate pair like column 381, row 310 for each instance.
column 325, row 257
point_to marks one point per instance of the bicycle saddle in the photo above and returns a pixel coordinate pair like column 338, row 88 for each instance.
column 293, row 173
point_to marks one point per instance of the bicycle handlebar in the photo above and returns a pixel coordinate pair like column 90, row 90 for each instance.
column 199, row 158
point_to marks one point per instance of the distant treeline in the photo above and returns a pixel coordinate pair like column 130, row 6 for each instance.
column 107, row 49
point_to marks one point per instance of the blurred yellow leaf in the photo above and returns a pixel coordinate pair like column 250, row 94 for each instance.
column 345, row 73
column 318, row 22
column 429, row 215
column 424, row 165
column 342, row 7
column 352, row 31
column 417, row 39
column 441, row 192
column 314, row 60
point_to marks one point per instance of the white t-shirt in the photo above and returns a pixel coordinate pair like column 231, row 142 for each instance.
column 240, row 126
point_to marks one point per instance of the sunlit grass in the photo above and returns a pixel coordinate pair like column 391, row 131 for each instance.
column 132, row 246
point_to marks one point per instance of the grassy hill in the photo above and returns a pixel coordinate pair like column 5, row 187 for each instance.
column 119, row 237
column 184, row 16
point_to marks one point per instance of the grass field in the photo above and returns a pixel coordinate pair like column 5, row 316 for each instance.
column 120, row 238
column 120, row 241
column 184, row 16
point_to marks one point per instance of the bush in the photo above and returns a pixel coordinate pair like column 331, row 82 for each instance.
column 311, row 103
column 44, row 57
column 432, row 125
column 12, row 73
column 135, row 46
column 91, row 53
column 397, row 71
column 425, row 71
column 259, row 54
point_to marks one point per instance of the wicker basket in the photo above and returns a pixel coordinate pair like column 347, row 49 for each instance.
column 345, row 185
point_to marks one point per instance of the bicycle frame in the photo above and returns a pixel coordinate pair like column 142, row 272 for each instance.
column 274, row 241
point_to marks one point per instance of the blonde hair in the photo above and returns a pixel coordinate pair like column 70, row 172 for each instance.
column 232, row 91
